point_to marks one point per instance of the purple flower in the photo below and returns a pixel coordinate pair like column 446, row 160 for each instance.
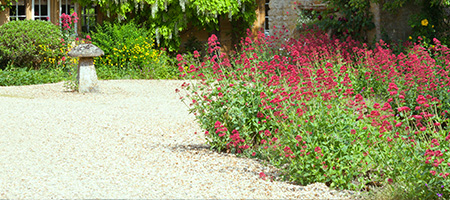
column 439, row 195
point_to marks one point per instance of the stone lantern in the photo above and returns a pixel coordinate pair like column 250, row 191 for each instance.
column 86, row 75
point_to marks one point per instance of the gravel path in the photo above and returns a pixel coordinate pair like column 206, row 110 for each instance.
column 134, row 139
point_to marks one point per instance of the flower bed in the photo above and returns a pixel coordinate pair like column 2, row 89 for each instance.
column 329, row 111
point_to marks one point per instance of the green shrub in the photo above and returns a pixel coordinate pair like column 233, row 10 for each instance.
column 22, row 76
column 130, row 49
column 29, row 43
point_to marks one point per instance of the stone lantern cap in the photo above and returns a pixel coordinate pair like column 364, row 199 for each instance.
column 86, row 50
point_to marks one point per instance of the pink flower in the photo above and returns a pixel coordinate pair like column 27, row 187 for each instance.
column 421, row 99
column 217, row 124
column 376, row 105
column 318, row 150
column 88, row 37
column 196, row 54
column 404, row 108
column 262, row 175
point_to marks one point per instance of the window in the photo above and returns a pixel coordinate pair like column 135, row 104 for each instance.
column 41, row 9
column 266, row 18
column 67, row 7
column 88, row 18
column 17, row 11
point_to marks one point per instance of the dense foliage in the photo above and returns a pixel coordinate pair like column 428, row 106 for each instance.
column 28, row 43
column 22, row 76
column 129, row 48
column 330, row 111
column 353, row 18
column 346, row 18
column 167, row 18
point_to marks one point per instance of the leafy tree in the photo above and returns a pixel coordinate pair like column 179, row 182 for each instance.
column 167, row 18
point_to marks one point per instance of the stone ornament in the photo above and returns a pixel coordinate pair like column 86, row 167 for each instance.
column 86, row 74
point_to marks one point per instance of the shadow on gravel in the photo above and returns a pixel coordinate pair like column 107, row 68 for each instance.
column 198, row 147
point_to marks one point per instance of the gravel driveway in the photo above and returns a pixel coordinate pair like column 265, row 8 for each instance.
column 134, row 139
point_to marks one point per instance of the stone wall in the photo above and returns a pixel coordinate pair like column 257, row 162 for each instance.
column 282, row 13
column 389, row 26
column 392, row 26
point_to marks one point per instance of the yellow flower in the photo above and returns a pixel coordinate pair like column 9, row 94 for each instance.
column 410, row 37
column 424, row 22
column 432, row 26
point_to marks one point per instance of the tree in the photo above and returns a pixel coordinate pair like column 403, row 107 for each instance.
column 167, row 18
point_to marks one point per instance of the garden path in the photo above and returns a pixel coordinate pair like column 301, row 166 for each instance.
column 133, row 139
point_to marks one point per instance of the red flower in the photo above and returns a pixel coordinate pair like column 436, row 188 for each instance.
column 262, row 175
column 318, row 150
column 217, row 124
column 390, row 181
column 404, row 108
column 376, row 105
column 421, row 99
column 259, row 115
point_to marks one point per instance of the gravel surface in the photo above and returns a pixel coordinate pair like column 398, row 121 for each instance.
column 133, row 139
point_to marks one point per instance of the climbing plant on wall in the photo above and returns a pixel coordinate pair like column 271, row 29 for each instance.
column 5, row 4
column 352, row 17
column 346, row 18
column 167, row 18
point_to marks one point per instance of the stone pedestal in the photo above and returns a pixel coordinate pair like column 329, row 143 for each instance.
column 87, row 76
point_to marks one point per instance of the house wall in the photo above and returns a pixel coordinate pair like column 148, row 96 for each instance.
column 282, row 14
column 54, row 11
column 4, row 15
column 202, row 35
column 260, row 17
column 28, row 10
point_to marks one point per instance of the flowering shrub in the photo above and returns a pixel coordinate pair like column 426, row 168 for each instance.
column 329, row 111
column 129, row 48
column 22, row 43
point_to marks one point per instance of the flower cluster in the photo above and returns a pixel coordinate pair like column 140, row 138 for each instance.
column 68, row 21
